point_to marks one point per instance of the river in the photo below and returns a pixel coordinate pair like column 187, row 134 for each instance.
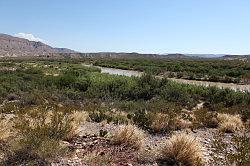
column 129, row 73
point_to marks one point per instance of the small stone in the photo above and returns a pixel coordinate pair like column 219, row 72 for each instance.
column 77, row 151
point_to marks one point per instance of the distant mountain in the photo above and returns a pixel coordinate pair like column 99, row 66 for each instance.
column 17, row 47
column 133, row 55
column 237, row 57
column 206, row 55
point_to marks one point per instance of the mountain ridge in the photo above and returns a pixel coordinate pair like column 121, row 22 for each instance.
column 11, row 46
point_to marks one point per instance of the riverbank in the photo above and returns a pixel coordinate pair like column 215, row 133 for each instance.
column 130, row 73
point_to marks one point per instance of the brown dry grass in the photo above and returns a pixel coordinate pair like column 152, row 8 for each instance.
column 229, row 123
column 78, row 119
column 41, row 129
column 5, row 134
column 128, row 135
column 160, row 122
column 6, row 127
column 182, row 149
column 183, row 124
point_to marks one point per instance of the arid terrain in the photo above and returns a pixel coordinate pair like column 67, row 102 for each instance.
column 61, row 112
column 63, row 108
column 125, row 83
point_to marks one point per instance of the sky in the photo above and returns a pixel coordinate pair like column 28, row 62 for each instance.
column 144, row 26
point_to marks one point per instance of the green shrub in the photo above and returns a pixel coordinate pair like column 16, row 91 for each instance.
column 205, row 118
column 81, row 84
column 105, row 114
column 152, row 121
column 65, row 81
column 99, row 115
column 174, row 92
column 131, row 105
column 245, row 114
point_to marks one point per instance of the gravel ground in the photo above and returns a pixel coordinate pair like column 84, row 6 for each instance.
column 89, row 140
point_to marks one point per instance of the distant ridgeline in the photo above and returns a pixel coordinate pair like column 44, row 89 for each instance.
column 18, row 47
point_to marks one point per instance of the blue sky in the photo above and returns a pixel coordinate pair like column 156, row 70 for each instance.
column 147, row 26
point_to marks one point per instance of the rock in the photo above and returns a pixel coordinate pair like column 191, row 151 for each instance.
column 102, row 153
column 77, row 151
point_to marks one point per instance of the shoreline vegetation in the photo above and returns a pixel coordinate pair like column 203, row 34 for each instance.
column 214, row 70
column 126, row 72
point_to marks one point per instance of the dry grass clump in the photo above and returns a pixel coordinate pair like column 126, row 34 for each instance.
column 229, row 123
column 159, row 122
column 77, row 119
column 60, row 122
column 5, row 128
column 183, row 124
column 182, row 149
column 41, row 129
column 156, row 122
column 129, row 135
column 98, row 159
column 5, row 134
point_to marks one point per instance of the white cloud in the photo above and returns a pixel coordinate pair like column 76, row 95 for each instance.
column 29, row 37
